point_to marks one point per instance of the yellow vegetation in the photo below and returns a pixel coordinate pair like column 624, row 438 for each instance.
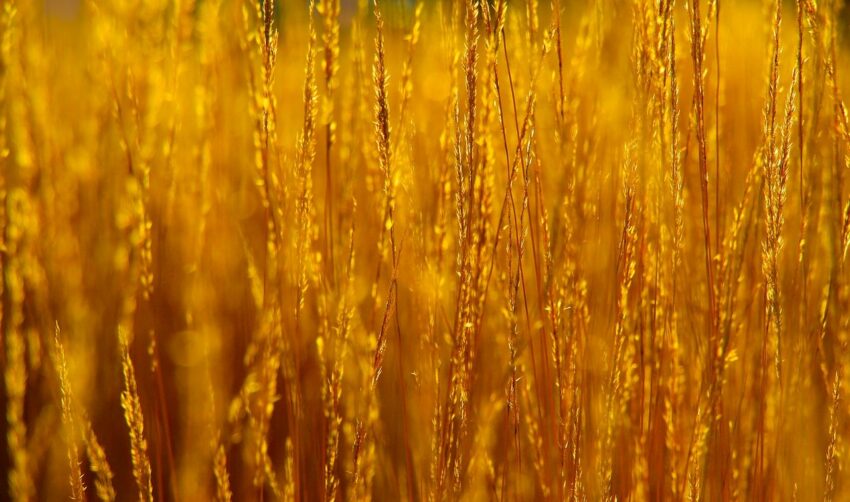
column 424, row 250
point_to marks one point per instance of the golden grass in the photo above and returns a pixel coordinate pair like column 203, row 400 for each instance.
column 409, row 250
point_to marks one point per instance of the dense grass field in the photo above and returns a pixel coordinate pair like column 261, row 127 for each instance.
column 424, row 250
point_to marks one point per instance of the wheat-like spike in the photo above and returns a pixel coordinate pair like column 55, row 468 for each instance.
column 364, row 441
column 329, row 10
column 777, row 151
column 76, row 476
column 832, row 446
column 97, row 462
column 222, row 479
column 306, row 151
column 698, row 56
column 382, row 134
column 135, row 423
